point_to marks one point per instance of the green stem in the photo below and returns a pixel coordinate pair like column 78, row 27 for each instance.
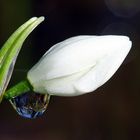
column 20, row 88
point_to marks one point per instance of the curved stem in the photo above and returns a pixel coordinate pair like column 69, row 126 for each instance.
column 20, row 88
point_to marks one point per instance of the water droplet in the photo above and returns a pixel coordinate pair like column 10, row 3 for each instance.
column 30, row 105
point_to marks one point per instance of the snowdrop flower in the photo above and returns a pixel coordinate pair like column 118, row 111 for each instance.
column 79, row 65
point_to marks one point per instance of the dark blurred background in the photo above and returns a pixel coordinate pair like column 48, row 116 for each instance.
column 110, row 113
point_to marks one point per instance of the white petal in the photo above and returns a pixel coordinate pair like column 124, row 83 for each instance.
column 63, row 86
column 102, row 72
column 61, row 71
column 64, row 58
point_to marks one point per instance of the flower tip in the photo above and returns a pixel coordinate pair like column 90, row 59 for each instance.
column 127, row 38
column 128, row 41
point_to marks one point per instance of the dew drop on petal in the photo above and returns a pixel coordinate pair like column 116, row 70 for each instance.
column 30, row 105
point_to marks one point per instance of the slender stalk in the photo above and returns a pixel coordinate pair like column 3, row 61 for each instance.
column 20, row 88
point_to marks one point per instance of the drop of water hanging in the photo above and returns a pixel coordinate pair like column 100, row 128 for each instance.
column 30, row 105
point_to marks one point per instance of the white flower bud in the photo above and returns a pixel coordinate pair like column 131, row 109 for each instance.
column 79, row 64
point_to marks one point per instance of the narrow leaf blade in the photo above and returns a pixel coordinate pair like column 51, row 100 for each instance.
column 10, row 51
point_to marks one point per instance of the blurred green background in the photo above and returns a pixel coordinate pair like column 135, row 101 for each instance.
column 110, row 113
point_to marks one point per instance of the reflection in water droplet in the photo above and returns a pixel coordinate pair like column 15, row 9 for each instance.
column 30, row 105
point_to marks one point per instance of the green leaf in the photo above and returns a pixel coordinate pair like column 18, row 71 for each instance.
column 10, row 51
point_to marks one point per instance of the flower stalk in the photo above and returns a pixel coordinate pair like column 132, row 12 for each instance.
column 18, row 89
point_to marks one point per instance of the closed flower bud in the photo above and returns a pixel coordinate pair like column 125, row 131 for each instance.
column 79, row 65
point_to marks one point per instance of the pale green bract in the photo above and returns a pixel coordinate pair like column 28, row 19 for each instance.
column 10, row 51
column 79, row 65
